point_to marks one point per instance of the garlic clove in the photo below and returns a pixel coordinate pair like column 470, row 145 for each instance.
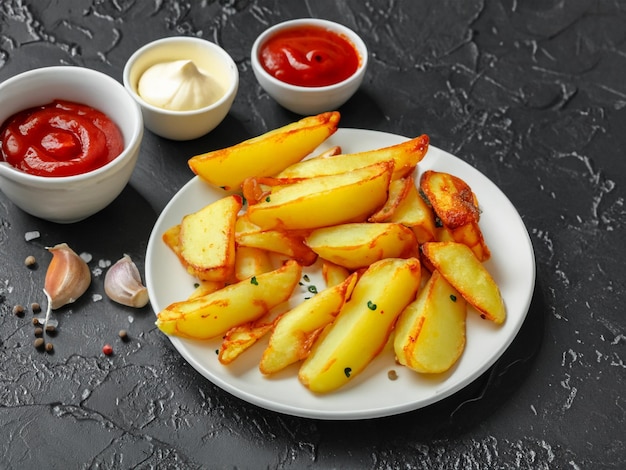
column 122, row 283
column 67, row 277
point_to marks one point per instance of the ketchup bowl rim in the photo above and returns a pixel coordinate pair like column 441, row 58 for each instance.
column 356, row 40
column 129, row 143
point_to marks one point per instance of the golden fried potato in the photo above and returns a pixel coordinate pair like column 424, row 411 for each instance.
column 458, row 264
column 471, row 235
column 214, row 314
column 405, row 156
column 171, row 239
column 451, row 198
column 333, row 274
column 207, row 240
column 430, row 332
column 413, row 212
column 290, row 244
column 357, row 245
column 295, row 331
column 240, row 338
column 266, row 154
column 206, row 287
column 251, row 262
column 363, row 326
column 324, row 200
column 398, row 191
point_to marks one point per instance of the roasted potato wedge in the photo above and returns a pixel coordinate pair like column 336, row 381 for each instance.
column 357, row 245
column 398, row 191
column 430, row 332
column 214, row 314
column 333, row 274
column 458, row 264
column 324, row 200
column 295, row 331
column 277, row 241
column 206, row 287
column 363, row 326
column 251, row 262
column 451, row 198
column 240, row 338
column 207, row 240
column 266, row 154
column 471, row 235
column 413, row 212
column 405, row 156
column 171, row 238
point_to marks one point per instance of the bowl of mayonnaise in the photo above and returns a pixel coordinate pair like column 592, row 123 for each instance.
column 184, row 85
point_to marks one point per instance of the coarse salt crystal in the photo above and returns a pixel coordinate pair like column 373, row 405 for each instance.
column 28, row 236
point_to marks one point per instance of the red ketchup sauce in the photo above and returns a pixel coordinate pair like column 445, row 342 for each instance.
column 61, row 138
column 309, row 56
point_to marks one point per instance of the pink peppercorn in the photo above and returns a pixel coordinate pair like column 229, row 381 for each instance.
column 107, row 349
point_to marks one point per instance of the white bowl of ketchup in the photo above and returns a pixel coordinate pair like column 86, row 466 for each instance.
column 309, row 65
column 73, row 163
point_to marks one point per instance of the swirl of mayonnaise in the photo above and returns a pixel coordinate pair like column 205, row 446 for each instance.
column 178, row 86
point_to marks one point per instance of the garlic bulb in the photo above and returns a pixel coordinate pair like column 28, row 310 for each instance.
column 67, row 277
column 122, row 283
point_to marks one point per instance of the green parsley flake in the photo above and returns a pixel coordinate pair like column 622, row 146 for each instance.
column 371, row 305
column 347, row 371
column 254, row 281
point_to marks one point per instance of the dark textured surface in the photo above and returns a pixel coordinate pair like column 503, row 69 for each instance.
column 532, row 93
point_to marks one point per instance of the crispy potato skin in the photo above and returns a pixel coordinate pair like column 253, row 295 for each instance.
column 229, row 167
column 214, row 314
column 398, row 191
column 295, row 331
column 413, row 212
column 324, row 200
column 358, row 245
column 286, row 243
column 363, row 326
column 241, row 337
column 404, row 157
column 430, row 332
column 451, row 198
column 458, row 264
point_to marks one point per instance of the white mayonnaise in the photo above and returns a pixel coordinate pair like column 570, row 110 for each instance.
column 178, row 86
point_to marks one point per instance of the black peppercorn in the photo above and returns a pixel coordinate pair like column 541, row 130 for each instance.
column 18, row 310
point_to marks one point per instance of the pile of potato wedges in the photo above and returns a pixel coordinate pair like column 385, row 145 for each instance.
column 401, row 259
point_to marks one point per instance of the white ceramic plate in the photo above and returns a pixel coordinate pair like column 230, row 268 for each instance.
column 372, row 393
